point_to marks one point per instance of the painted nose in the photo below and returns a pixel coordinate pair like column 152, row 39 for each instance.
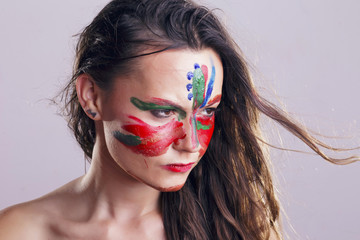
column 190, row 143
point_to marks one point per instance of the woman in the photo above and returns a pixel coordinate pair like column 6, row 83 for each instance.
column 153, row 82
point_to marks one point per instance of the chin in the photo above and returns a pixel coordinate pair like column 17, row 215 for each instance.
column 173, row 188
column 170, row 189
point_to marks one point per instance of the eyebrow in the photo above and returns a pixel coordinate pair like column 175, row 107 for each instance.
column 158, row 103
column 164, row 102
column 216, row 99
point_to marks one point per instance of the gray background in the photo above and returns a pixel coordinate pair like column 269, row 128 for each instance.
column 304, row 55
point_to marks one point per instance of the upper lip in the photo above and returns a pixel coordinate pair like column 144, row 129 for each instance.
column 180, row 164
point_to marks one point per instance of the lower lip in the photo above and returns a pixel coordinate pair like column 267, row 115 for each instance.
column 178, row 167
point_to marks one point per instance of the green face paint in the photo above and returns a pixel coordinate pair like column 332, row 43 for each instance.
column 199, row 79
column 165, row 105
column 200, row 94
column 129, row 140
column 201, row 126
column 198, row 88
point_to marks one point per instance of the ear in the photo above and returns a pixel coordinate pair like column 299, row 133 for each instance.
column 88, row 94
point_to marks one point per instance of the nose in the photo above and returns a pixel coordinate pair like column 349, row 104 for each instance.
column 190, row 143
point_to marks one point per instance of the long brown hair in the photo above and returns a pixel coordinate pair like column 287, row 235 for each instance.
column 230, row 194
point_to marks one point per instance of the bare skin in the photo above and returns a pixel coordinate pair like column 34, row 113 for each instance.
column 85, row 209
column 81, row 210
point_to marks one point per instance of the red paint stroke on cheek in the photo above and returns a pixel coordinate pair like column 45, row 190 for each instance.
column 204, row 136
column 155, row 140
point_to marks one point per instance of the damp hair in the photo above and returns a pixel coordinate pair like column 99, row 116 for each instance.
column 230, row 193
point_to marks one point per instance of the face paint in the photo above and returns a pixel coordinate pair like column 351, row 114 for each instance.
column 205, row 128
column 216, row 99
column 205, row 123
column 129, row 140
column 158, row 104
column 210, row 86
column 199, row 79
column 202, row 126
column 150, row 140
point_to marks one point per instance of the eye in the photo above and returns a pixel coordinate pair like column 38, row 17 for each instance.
column 162, row 113
column 208, row 112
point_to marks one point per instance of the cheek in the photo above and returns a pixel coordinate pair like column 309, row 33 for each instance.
column 205, row 129
column 150, row 140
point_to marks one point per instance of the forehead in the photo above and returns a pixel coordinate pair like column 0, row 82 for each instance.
column 165, row 74
column 179, row 61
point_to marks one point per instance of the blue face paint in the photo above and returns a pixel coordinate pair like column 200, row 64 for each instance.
column 210, row 85
column 190, row 96
column 189, row 87
column 199, row 79
column 190, row 75
column 201, row 90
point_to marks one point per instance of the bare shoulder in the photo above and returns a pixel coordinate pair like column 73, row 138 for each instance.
column 35, row 219
column 22, row 222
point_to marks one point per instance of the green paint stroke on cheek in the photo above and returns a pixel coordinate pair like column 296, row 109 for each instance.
column 200, row 126
column 146, row 106
column 129, row 140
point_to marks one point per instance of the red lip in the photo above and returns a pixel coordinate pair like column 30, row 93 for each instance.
column 178, row 167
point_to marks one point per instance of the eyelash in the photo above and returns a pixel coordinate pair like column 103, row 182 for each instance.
column 162, row 113
column 213, row 110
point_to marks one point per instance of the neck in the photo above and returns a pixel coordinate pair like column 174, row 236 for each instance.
column 116, row 194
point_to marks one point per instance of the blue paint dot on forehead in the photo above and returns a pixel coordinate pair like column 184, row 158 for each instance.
column 189, row 86
column 190, row 96
column 190, row 75
column 196, row 66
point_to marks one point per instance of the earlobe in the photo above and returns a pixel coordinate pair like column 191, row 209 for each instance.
column 87, row 94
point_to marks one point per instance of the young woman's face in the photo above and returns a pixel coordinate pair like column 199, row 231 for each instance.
column 158, row 121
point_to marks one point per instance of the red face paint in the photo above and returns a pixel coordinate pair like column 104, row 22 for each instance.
column 202, row 130
column 204, row 135
column 155, row 140
column 216, row 99
column 204, row 70
column 203, row 127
